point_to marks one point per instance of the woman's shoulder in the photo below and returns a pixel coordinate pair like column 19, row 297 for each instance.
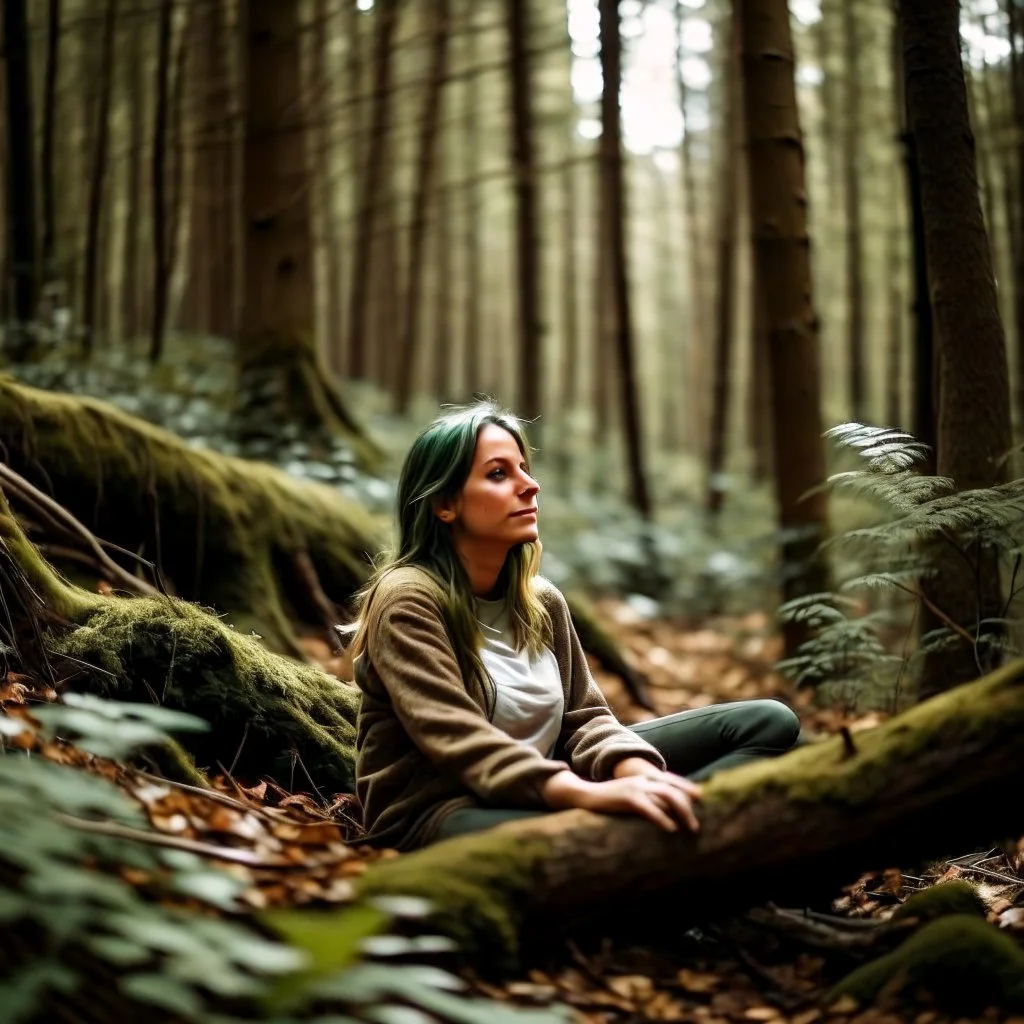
column 550, row 596
column 404, row 582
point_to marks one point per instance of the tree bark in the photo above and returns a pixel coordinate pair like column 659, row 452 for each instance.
column 973, row 428
column 473, row 219
column 158, row 181
column 53, row 29
column 426, row 167
column 98, row 177
column 282, row 375
column 132, row 287
column 851, row 193
column 1015, row 195
column 613, row 202
column 933, row 777
column 694, row 375
column 385, row 14
column 21, row 219
column 725, row 269
column 782, row 266
column 524, row 174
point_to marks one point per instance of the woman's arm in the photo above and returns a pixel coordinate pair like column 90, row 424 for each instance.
column 407, row 643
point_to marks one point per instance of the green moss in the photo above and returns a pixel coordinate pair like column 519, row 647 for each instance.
column 824, row 771
column 937, row 901
column 960, row 961
column 223, row 531
column 475, row 885
column 270, row 715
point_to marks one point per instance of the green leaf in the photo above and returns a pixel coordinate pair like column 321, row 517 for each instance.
column 19, row 995
column 217, row 888
column 332, row 939
column 164, row 991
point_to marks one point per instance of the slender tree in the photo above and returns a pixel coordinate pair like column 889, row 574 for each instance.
column 778, row 216
column 426, row 167
column 98, row 175
column 158, row 180
column 854, row 235
column 21, row 220
column 472, row 220
column 53, row 30
column 725, row 267
column 134, row 84
column 385, row 14
column 973, row 426
column 524, row 178
column 613, row 213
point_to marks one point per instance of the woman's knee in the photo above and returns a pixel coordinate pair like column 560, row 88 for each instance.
column 777, row 726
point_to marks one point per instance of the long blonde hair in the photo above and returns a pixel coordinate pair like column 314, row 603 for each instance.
column 435, row 469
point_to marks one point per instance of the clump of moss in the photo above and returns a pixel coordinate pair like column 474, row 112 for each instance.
column 958, row 961
column 957, row 897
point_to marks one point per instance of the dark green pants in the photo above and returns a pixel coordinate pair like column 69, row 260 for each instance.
column 694, row 743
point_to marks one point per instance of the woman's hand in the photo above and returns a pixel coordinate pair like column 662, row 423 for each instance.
column 659, row 797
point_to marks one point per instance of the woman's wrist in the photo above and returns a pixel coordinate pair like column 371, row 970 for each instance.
column 635, row 766
column 565, row 789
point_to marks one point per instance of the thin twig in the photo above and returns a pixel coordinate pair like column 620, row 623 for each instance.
column 988, row 873
column 114, row 830
column 273, row 813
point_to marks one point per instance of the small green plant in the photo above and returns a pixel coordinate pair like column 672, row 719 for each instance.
column 863, row 634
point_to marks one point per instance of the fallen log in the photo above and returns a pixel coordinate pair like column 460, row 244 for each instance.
column 938, row 776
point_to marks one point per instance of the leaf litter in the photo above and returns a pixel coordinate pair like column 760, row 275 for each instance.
column 292, row 850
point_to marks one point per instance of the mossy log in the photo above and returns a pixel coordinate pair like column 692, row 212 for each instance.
column 237, row 536
column 270, row 715
column 931, row 779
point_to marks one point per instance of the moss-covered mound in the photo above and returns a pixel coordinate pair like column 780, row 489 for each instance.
column 270, row 714
column 259, row 546
column 937, row 901
column 959, row 961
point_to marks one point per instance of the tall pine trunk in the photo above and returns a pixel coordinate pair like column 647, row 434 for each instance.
column 973, row 427
column 158, row 181
column 385, row 14
column 613, row 203
column 21, row 220
column 98, row 177
column 53, row 29
column 524, row 178
column 426, row 169
column 725, row 275
column 778, row 214
column 473, row 217
column 851, row 193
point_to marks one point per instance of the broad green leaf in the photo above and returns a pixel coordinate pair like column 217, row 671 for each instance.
column 164, row 991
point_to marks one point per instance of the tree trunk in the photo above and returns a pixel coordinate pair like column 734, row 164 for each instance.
column 725, row 274
column 21, row 220
column 782, row 265
column 158, row 181
column 524, row 178
column 1015, row 196
column 53, row 29
column 473, row 219
column 426, row 167
column 385, row 14
column 694, row 376
column 131, row 276
column 443, row 279
column 973, row 428
column 791, row 828
column 851, row 194
column 613, row 202
column 98, row 177
column 282, row 375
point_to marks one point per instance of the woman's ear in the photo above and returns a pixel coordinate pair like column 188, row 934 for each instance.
column 444, row 511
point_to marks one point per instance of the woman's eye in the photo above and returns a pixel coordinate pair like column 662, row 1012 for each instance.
column 496, row 474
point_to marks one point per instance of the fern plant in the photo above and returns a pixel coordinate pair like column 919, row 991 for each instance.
column 863, row 635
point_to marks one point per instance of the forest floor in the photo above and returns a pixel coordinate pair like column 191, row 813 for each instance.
column 297, row 849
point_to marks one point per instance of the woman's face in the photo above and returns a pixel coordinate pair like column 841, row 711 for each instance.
column 498, row 502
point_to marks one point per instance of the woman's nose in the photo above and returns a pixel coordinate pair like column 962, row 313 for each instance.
column 532, row 487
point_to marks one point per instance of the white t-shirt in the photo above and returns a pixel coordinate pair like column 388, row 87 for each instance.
column 529, row 700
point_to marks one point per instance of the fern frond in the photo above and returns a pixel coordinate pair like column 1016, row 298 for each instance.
column 887, row 449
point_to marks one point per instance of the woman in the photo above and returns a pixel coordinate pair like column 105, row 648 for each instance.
column 477, row 703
